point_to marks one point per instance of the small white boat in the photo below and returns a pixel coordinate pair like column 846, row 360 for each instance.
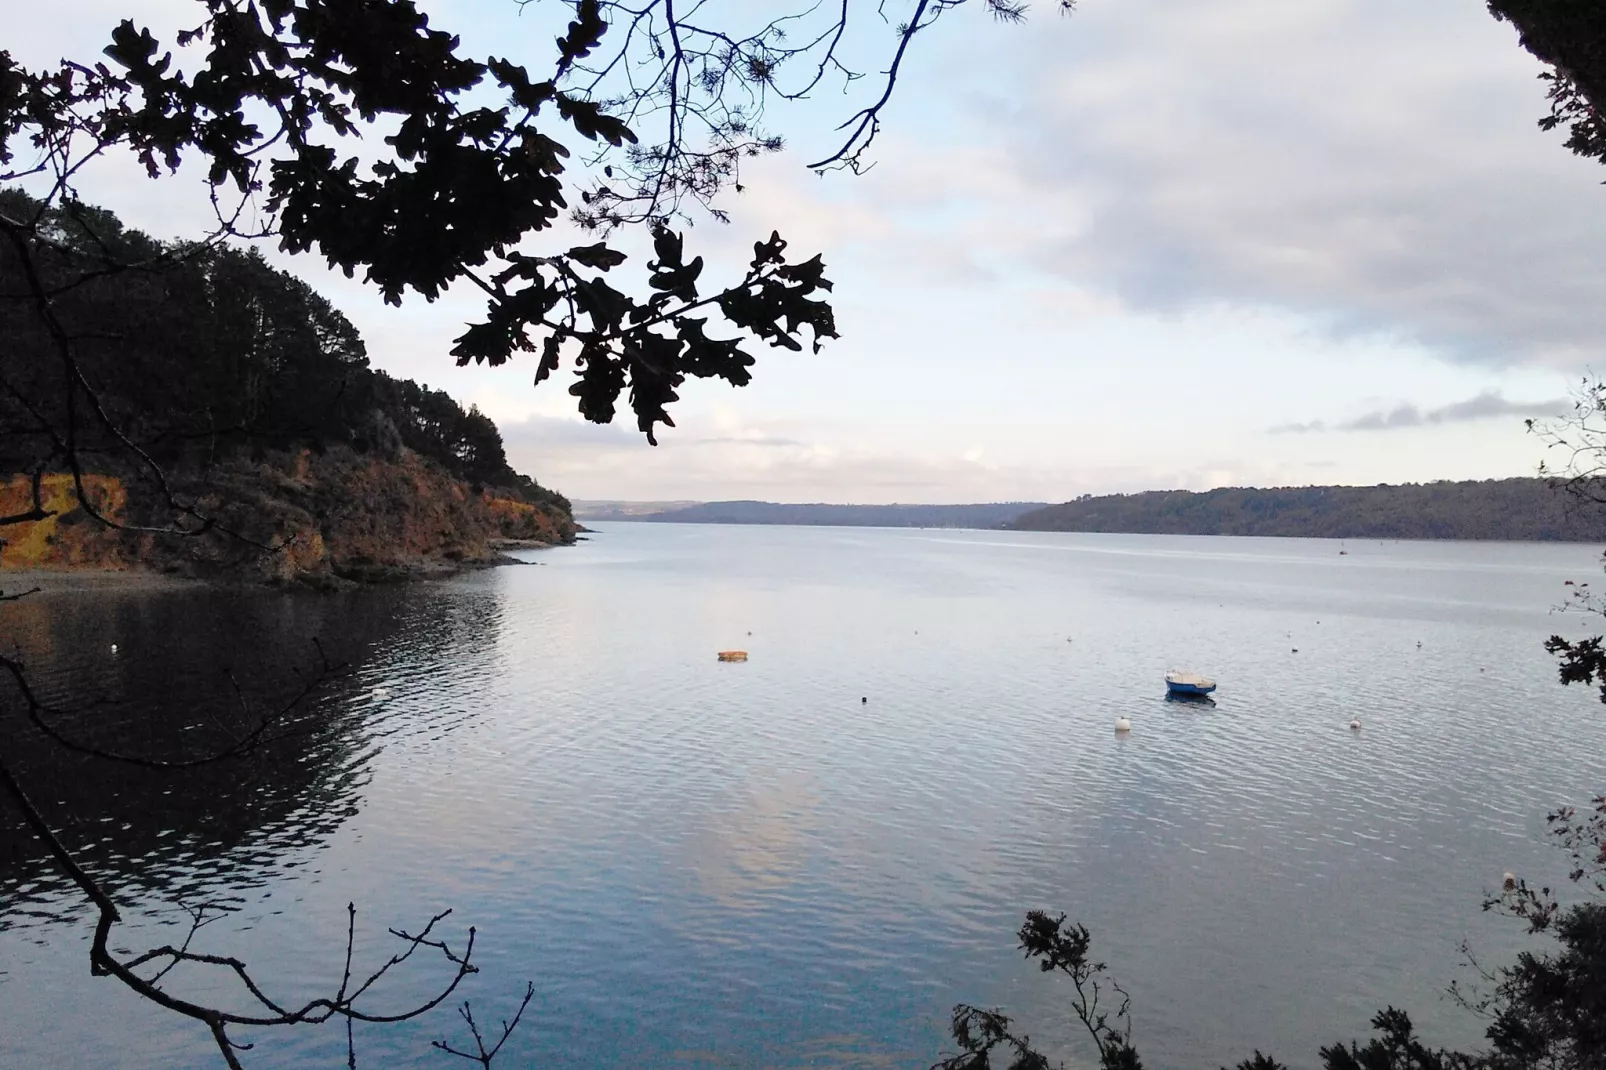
column 1188, row 683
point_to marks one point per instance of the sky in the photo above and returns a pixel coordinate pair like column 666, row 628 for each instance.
column 1151, row 245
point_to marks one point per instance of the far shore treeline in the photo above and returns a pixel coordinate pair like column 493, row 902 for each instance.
column 1513, row 510
column 1516, row 510
column 751, row 512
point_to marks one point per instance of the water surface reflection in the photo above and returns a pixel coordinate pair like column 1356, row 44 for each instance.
column 740, row 865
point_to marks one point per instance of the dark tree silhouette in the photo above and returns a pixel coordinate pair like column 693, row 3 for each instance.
column 984, row 1035
column 1569, row 36
column 1546, row 1011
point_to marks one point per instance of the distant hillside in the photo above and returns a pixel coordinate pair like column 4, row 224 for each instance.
column 991, row 515
column 616, row 510
column 1505, row 509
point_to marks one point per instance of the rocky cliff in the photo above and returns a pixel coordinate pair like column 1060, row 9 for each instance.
column 317, row 518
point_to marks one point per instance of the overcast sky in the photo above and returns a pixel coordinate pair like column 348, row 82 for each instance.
column 1153, row 245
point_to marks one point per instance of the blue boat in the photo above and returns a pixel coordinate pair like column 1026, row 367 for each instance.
column 1188, row 683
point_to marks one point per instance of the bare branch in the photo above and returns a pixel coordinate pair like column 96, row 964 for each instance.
column 482, row 1054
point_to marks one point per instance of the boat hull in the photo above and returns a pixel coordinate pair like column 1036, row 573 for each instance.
column 1180, row 688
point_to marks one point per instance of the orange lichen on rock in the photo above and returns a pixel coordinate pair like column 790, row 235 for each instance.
column 523, row 522
column 305, row 516
column 68, row 537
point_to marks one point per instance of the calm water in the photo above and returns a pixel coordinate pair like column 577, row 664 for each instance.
column 717, row 865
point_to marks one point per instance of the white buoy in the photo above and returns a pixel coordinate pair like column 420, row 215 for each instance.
column 114, row 648
column 1123, row 725
column 1356, row 724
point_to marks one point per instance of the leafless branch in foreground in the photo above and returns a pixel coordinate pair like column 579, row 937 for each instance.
column 695, row 83
column 263, row 1010
column 482, row 1054
column 144, row 972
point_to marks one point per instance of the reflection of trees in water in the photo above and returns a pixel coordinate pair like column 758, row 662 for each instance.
column 228, row 826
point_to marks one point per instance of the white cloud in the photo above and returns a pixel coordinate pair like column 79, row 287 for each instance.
column 1082, row 236
column 788, row 462
column 1485, row 406
column 1375, row 168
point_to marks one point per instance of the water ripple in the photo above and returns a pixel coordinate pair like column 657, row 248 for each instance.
column 808, row 858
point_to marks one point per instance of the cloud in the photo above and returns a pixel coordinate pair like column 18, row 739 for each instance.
column 779, row 461
column 1083, row 209
column 774, row 460
column 1487, row 405
column 1375, row 169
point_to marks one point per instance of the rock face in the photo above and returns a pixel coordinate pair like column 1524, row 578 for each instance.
column 320, row 519
column 70, row 538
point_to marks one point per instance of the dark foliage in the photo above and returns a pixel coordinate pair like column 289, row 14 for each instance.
column 1396, row 1047
column 1259, row 1062
column 1546, row 1011
column 1583, row 661
column 1552, row 1007
column 1500, row 509
column 452, row 195
column 210, row 353
column 1570, row 35
column 984, row 1036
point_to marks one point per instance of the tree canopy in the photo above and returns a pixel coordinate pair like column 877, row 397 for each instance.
column 1492, row 509
column 1569, row 36
column 210, row 353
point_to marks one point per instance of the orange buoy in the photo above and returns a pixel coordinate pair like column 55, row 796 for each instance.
column 733, row 655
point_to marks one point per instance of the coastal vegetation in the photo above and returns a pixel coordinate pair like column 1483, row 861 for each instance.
column 1498, row 509
column 1546, row 1011
column 244, row 390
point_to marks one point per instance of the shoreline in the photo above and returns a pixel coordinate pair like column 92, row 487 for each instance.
column 18, row 582
column 54, row 581
column 502, row 545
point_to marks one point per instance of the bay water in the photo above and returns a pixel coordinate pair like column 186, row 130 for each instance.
column 809, row 858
